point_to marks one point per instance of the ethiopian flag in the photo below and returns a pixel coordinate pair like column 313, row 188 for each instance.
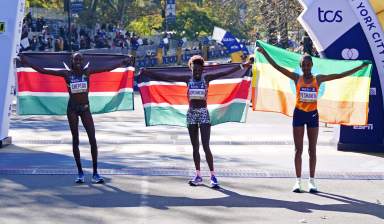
column 165, row 101
column 41, row 94
column 342, row 101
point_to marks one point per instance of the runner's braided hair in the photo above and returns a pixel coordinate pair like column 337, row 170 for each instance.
column 306, row 57
column 195, row 59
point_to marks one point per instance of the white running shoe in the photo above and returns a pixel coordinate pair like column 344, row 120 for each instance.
column 196, row 181
column 97, row 179
column 312, row 186
column 297, row 188
column 80, row 179
column 214, row 182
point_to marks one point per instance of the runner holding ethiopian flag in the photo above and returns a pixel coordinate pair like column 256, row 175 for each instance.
column 305, row 113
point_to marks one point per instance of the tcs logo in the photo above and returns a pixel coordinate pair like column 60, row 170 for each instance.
column 329, row 16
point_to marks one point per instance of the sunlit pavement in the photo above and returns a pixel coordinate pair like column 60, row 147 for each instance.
column 147, row 168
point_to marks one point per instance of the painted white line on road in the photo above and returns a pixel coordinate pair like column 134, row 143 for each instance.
column 145, row 173
column 143, row 214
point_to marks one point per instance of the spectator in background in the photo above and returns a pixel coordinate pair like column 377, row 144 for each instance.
column 28, row 19
column 41, row 43
column 258, row 36
column 98, row 43
column 83, row 44
column 62, row 32
column 57, row 45
column 145, row 41
column 88, row 42
column 300, row 48
column 110, row 28
column 33, row 43
column 140, row 41
column 307, row 44
column 166, row 44
column 134, row 43
column 49, row 44
column 315, row 52
column 39, row 25
column 65, row 44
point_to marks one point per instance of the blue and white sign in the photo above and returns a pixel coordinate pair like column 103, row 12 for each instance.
column 11, row 15
column 227, row 39
column 77, row 6
column 350, row 30
column 170, row 11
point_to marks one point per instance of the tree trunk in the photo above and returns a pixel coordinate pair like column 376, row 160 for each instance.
column 283, row 26
column 94, row 5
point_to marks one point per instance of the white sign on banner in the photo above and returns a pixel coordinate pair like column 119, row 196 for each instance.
column 25, row 42
column 11, row 18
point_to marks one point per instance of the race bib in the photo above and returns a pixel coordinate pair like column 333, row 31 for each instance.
column 79, row 87
column 308, row 94
column 197, row 91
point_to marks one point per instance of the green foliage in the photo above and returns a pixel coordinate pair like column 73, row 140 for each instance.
column 193, row 22
column 45, row 3
column 194, row 18
column 146, row 25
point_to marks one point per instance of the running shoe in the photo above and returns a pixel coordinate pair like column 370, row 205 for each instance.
column 97, row 179
column 297, row 188
column 312, row 186
column 80, row 178
column 196, row 181
column 214, row 183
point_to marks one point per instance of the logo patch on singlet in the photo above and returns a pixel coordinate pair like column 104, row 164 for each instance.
column 197, row 91
column 308, row 94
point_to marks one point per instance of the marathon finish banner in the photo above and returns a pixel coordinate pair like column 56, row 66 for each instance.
column 166, row 102
column 350, row 30
column 42, row 94
column 11, row 21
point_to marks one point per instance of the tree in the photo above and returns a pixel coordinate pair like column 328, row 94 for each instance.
column 195, row 18
column 146, row 25
column 193, row 21
column 276, row 18
column 45, row 3
column 229, row 15
column 118, row 12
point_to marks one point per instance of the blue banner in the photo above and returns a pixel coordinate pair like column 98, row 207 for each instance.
column 77, row 6
column 230, row 42
column 227, row 39
column 170, row 11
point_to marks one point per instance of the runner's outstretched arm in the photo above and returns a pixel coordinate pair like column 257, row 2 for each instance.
column 325, row 78
column 285, row 71
column 61, row 73
column 164, row 76
column 214, row 76
column 124, row 62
